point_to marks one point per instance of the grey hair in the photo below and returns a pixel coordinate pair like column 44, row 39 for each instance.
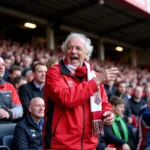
column 88, row 45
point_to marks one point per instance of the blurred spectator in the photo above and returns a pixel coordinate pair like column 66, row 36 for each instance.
column 121, row 92
column 147, row 94
column 136, row 102
column 17, row 60
column 110, row 89
column 28, row 132
column 144, row 128
column 33, row 88
column 119, row 133
column 10, row 106
column 129, row 91
column 7, row 67
column 27, row 62
column 18, row 81
column 52, row 61
column 15, row 71
column 29, row 75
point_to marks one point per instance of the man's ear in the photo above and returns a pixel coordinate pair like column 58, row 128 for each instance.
column 29, row 108
column 113, row 107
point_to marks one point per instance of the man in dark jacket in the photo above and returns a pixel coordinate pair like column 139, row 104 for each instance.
column 28, row 132
column 34, row 88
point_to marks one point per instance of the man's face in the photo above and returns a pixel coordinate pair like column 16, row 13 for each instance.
column 119, row 109
column 39, row 74
column 2, row 67
column 76, row 52
column 7, row 63
column 27, row 62
column 37, row 108
column 138, row 93
column 15, row 73
column 121, row 88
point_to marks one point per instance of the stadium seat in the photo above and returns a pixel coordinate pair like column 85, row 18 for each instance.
column 6, row 129
column 7, row 140
column 2, row 147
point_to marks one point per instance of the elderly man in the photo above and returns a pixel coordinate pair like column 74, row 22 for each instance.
column 10, row 105
column 28, row 132
column 76, row 102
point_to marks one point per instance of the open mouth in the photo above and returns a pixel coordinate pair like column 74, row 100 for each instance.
column 74, row 58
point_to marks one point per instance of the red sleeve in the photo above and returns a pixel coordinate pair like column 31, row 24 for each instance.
column 15, row 97
column 57, row 89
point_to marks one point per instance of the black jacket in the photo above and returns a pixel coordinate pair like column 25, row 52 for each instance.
column 27, row 135
column 27, row 92
column 110, row 138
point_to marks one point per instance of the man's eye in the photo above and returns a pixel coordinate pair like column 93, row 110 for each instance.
column 79, row 48
column 69, row 47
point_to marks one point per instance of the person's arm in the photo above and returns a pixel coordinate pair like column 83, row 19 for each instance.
column 16, row 110
column 20, row 139
column 24, row 98
column 57, row 88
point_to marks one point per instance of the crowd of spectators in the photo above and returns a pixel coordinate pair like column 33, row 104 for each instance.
column 24, row 63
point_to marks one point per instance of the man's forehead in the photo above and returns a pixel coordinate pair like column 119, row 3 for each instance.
column 1, row 60
column 76, row 40
column 37, row 101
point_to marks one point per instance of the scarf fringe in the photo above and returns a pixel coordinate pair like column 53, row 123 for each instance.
column 97, row 127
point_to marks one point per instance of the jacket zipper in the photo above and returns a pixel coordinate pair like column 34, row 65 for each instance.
column 83, row 128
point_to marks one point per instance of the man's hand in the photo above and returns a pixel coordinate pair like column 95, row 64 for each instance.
column 4, row 114
column 125, row 147
column 130, row 120
column 107, row 75
column 108, row 117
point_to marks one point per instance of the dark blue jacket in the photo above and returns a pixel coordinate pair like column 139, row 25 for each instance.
column 27, row 92
column 28, row 135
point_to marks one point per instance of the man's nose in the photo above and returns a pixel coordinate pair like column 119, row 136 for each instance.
column 1, row 66
column 73, row 50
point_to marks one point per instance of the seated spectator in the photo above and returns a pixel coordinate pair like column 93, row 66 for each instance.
column 52, row 61
column 110, row 89
column 15, row 71
column 119, row 133
column 137, row 102
column 27, row 62
column 33, row 88
column 10, row 105
column 147, row 94
column 144, row 128
column 121, row 92
column 7, row 67
column 18, row 81
column 29, row 75
column 28, row 132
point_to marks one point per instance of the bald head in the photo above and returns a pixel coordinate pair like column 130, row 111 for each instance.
column 37, row 107
column 2, row 67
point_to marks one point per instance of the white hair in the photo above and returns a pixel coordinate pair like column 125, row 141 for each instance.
column 88, row 45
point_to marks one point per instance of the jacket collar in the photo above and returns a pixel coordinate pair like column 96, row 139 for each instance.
column 31, row 121
column 2, row 81
column 63, row 68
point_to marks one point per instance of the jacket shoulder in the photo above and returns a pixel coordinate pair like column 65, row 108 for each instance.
column 27, row 86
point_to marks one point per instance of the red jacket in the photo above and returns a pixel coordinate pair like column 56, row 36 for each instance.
column 68, row 118
column 9, row 100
